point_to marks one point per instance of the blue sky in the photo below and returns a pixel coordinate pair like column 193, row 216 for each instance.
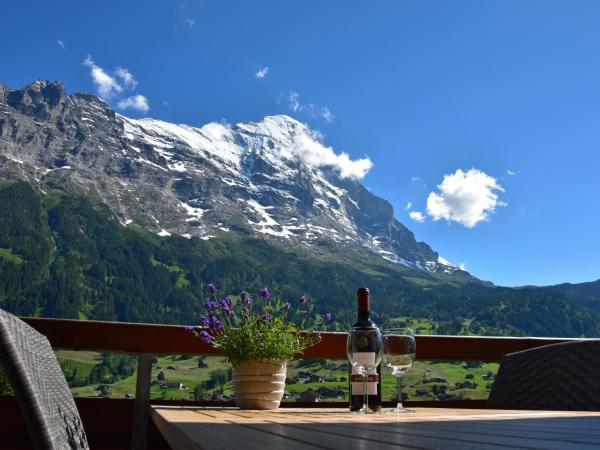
column 424, row 88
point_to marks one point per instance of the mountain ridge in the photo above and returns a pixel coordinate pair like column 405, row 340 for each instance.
column 273, row 178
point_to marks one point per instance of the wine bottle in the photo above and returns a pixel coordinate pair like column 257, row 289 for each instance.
column 356, row 385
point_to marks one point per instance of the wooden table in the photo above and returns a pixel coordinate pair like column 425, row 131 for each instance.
column 427, row 428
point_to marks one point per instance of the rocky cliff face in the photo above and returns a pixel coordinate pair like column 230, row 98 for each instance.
column 259, row 178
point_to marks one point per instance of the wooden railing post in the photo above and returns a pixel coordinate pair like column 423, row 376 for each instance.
column 141, row 411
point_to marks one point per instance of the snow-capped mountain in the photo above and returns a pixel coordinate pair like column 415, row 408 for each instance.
column 273, row 178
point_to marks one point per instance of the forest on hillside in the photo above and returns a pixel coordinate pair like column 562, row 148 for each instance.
column 64, row 254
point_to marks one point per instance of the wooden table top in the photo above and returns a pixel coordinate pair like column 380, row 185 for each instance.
column 333, row 428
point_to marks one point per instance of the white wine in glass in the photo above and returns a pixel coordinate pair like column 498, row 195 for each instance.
column 399, row 350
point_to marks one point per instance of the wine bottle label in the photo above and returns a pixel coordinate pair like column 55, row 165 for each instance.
column 356, row 381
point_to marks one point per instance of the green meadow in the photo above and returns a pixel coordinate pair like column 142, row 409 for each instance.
column 332, row 375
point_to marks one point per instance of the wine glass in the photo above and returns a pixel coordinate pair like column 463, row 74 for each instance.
column 400, row 347
column 365, row 350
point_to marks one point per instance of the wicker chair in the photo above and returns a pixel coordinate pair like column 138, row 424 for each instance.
column 553, row 377
column 42, row 392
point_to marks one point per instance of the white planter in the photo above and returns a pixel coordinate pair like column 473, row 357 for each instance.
column 259, row 384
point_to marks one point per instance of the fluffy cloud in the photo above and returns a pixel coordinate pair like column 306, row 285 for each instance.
column 417, row 216
column 315, row 154
column 465, row 197
column 408, row 206
column 126, row 77
column 295, row 105
column 136, row 102
column 106, row 85
column 510, row 172
column 262, row 72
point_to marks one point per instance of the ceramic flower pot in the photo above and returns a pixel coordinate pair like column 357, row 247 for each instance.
column 259, row 384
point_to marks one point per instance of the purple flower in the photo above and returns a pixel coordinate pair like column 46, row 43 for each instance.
column 228, row 301
column 286, row 305
column 327, row 317
column 189, row 328
column 264, row 293
column 212, row 289
column 204, row 321
column 302, row 299
column 210, row 304
column 246, row 300
column 266, row 317
column 228, row 312
column 206, row 337
column 223, row 304
column 214, row 323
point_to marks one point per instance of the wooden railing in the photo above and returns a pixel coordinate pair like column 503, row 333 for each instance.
column 172, row 339
column 148, row 339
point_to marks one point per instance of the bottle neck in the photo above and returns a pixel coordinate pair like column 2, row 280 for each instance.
column 364, row 316
column 364, row 321
column 364, row 308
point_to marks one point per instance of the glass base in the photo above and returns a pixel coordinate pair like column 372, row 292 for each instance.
column 401, row 410
column 366, row 410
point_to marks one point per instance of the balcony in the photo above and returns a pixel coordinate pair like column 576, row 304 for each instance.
column 110, row 422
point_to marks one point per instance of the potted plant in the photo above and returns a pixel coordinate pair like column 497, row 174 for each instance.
column 258, row 338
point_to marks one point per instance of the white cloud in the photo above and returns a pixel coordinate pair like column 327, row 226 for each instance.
column 295, row 105
column 417, row 216
column 262, row 72
column 327, row 115
column 61, row 44
column 135, row 102
column 126, row 77
column 408, row 206
column 294, row 101
column 467, row 198
column 106, row 85
column 315, row 154
column 511, row 172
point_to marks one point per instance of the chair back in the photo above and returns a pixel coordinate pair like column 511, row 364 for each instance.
column 561, row 376
column 40, row 387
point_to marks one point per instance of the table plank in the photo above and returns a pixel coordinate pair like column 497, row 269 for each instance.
column 182, row 431
column 333, row 428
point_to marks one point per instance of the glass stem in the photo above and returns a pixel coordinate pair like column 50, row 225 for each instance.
column 365, row 394
column 399, row 392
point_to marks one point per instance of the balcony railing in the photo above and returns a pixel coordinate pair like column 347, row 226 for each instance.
column 150, row 339
column 172, row 339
